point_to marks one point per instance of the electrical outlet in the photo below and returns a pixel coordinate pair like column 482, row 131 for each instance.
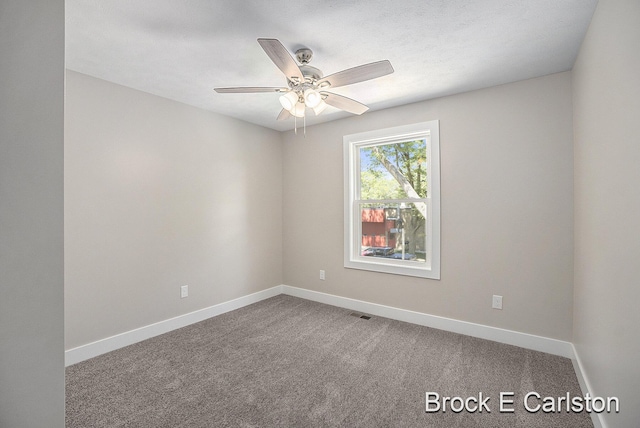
column 184, row 291
column 497, row 302
column 322, row 275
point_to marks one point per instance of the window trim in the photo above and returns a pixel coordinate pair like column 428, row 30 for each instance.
column 352, row 227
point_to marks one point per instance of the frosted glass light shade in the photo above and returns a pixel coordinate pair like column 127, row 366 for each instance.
column 298, row 110
column 320, row 107
column 289, row 100
column 312, row 98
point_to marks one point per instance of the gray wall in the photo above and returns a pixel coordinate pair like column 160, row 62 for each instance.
column 31, row 213
column 159, row 194
column 507, row 208
column 606, row 99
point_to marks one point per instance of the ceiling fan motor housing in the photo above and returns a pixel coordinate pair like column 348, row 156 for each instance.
column 311, row 73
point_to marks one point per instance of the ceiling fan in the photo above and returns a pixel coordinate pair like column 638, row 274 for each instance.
column 306, row 86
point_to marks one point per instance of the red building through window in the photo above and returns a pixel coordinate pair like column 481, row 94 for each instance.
column 376, row 230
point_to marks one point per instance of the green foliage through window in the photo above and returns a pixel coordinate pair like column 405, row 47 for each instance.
column 394, row 171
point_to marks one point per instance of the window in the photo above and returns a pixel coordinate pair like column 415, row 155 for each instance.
column 392, row 200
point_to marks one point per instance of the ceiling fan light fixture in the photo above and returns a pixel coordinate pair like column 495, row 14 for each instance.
column 289, row 100
column 312, row 98
column 320, row 107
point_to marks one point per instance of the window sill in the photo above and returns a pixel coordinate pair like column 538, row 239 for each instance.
column 416, row 270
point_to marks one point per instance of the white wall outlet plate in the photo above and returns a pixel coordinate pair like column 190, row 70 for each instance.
column 322, row 275
column 184, row 291
column 496, row 302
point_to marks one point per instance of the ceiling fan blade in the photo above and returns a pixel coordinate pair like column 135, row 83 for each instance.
column 284, row 115
column 281, row 58
column 358, row 74
column 248, row 89
column 344, row 103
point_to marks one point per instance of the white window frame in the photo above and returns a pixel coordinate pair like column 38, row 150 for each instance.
column 352, row 215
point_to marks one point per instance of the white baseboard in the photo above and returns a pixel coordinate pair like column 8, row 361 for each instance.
column 523, row 340
column 585, row 386
column 90, row 350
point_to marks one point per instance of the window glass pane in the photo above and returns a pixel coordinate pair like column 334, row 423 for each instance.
column 394, row 171
column 393, row 231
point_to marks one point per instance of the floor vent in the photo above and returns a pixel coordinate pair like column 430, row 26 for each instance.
column 364, row 317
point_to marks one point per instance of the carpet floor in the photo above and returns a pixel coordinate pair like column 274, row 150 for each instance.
column 289, row 362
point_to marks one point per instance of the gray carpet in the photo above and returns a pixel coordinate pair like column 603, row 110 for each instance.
column 289, row 362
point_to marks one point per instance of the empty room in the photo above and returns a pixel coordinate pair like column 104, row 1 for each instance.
column 300, row 214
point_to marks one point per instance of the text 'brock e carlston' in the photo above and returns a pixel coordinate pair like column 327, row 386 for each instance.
column 532, row 403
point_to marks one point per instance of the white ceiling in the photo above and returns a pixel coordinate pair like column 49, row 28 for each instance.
column 183, row 49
